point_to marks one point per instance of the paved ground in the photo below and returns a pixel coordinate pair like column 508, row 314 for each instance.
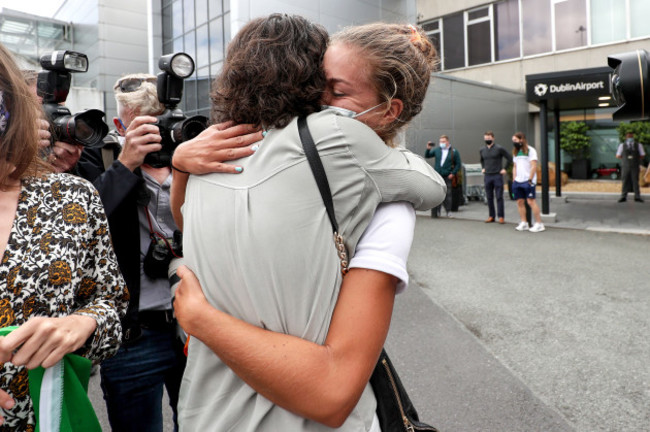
column 509, row 331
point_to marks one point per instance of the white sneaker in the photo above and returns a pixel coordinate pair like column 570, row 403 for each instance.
column 451, row 215
column 523, row 226
column 538, row 227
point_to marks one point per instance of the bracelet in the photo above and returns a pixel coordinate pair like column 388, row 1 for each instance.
column 179, row 170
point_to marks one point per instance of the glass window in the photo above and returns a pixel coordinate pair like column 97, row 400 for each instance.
column 216, row 40
column 215, row 8
column 188, row 16
column 453, row 41
column 167, row 23
column 190, row 95
column 607, row 21
column 177, row 18
column 226, row 28
column 204, row 92
column 506, row 30
column 178, row 44
column 432, row 30
column 168, row 48
column 639, row 18
column 202, row 46
column 190, row 47
column 570, row 23
column 479, row 45
column 201, row 12
column 536, row 23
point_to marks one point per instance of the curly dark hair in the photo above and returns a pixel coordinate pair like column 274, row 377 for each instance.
column 273, row 72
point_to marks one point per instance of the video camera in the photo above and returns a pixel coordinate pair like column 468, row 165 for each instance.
column 86, row 128
column 630, row 85
column 173, row 125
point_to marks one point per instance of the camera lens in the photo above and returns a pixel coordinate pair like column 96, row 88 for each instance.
column 192, row 127
column 83, row 130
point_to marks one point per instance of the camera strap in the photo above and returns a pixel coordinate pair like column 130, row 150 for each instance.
column 153, row 234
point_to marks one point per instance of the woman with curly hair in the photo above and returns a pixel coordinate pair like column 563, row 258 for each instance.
column 280, row 340
column 59, row 278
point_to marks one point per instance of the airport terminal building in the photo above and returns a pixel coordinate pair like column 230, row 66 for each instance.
column 496, row 57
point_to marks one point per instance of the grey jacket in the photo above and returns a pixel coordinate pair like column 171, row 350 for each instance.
column 261, row 244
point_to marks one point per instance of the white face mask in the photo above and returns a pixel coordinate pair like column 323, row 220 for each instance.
column 346, row 112
column 443, row 144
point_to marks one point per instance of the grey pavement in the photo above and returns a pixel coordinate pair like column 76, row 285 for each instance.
column 577, row 210
column 515, row 331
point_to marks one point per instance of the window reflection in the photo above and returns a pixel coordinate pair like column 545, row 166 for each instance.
column 536, row 19
column 453, row 41
column 479, row 46
column 607, row 21
column 506, row 30
column 570, row 24
column 639, row 18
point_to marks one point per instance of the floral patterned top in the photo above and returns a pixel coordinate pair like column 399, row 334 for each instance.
column 59, row 260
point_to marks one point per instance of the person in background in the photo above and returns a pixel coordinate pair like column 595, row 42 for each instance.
column 59, row 278
column 524, row 173
column 136, row 198
column 63, row 156
column 495, row 160
column 447, row 165
column 631, row 154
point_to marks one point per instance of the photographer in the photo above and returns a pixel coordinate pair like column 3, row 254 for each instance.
column 136, row 199
column 62, row 156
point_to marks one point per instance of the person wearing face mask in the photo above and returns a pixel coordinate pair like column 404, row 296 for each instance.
column 447, row 163
column 136, row 199
column 524, row 174
column 631, row 153
column 495, row 160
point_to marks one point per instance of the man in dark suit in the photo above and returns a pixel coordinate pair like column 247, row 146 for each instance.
column 447, row 163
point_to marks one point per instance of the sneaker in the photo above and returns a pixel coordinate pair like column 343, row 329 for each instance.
column 523, row 226
column 538, row 227
column 451, row 215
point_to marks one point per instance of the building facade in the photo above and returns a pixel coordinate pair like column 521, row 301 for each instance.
column 502, row 42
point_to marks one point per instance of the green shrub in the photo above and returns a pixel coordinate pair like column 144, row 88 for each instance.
column 574, row 140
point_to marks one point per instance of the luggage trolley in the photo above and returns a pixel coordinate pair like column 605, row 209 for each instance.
column 474, row 184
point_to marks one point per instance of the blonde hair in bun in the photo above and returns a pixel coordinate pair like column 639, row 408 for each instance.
column 400, row 60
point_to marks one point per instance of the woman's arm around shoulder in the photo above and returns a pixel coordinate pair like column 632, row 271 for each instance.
column 397, row 173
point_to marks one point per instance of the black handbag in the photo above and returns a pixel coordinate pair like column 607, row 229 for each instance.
column 395, row 410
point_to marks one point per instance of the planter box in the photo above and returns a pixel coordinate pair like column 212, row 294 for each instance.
column 581, row 169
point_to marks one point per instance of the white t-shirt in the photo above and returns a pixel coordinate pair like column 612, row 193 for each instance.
column 522, row 164
column 385, row 246
column 386, row 242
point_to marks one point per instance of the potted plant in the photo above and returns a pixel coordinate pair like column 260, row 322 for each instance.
column 577, row 144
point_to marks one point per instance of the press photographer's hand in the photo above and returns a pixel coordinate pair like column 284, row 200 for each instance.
column 64, row 156
column 142, row 137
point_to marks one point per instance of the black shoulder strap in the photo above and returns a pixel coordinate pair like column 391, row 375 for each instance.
column 317, row 168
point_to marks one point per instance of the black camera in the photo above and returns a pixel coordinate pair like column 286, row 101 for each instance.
column 630, row 85
column 160, row 253
column 174, row 126
column 86, row 128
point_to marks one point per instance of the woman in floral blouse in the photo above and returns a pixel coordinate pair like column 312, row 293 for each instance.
column 59, row 278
